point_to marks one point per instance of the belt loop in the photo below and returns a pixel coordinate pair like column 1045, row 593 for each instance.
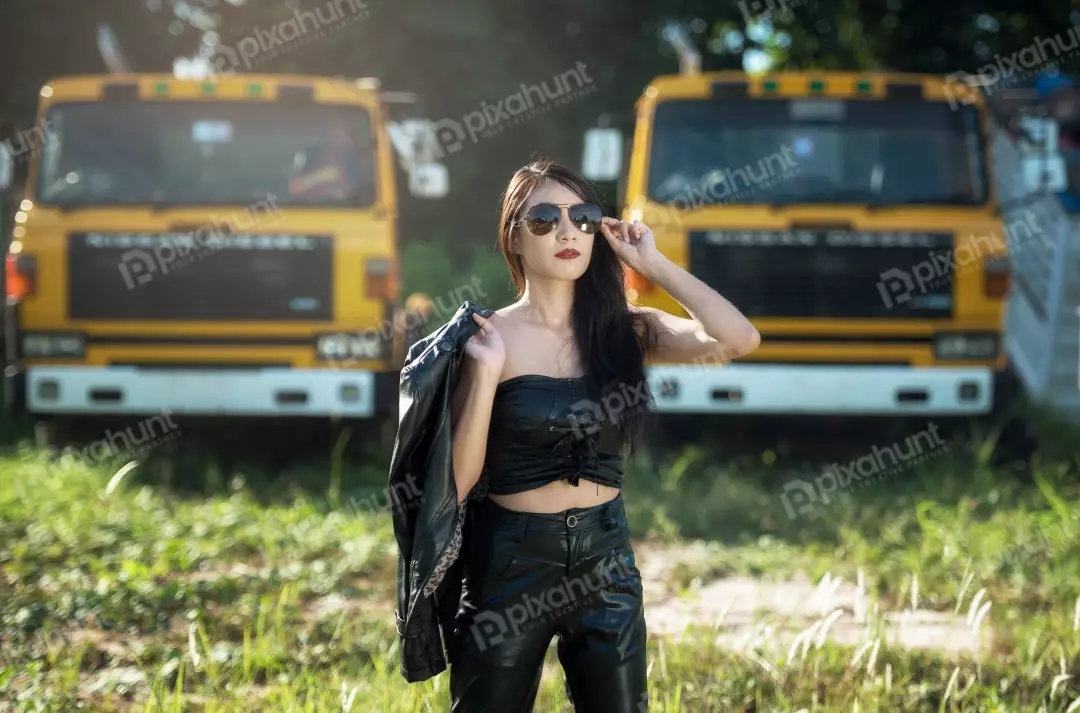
column 523, row 528
column 611, row 518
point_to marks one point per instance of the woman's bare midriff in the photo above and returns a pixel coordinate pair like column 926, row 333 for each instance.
column 558, row 496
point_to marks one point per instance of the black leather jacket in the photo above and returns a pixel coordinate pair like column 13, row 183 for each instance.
column 428, row 520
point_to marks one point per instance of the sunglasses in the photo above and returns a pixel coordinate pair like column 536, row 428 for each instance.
column 543, row 217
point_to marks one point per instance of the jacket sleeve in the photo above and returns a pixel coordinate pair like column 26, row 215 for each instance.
column 413, row 408
column 421, row 412
column 404, row 515
column 421, row 655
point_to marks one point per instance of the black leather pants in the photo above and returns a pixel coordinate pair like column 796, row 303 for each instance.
column 530, row 577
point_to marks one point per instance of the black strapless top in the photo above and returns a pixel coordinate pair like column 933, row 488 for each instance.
column 544, row 429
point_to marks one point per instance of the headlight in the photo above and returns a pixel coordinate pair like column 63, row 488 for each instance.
column 53, row 345
column 966, row 346
column 346, row 346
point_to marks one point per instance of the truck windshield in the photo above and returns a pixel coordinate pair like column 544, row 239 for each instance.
column 775, row 151
column 196, row 153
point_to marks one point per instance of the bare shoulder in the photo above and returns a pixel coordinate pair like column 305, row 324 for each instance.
column 505, row 317
column 502, row 318
column 506, row 320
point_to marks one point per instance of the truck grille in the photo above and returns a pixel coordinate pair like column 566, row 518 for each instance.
column 228, row 278
column 837, row 273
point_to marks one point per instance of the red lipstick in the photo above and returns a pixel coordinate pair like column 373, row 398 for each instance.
column 568, row 254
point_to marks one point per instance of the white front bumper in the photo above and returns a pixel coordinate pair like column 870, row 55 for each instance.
column 822, row 390
column 263, row 392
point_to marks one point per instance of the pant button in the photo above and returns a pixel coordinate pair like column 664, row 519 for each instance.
column 571, row 521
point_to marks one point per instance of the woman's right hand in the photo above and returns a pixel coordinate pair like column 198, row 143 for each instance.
column 486, row 347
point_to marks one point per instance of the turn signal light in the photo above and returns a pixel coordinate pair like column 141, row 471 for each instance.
column 997, row 278
column 19, row 273
column 379, row 280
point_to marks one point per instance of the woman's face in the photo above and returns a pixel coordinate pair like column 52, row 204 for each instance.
column 563, row 253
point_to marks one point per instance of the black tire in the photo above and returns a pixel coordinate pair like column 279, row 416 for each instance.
column 1016, row 445
column 14, row 392
column 1007, row 392
column 388, row 433
column 52, row 432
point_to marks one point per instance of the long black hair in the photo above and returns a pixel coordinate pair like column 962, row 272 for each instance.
column 612, row 340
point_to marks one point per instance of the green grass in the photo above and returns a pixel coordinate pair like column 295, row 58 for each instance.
column 116, row 595
column 952, row 515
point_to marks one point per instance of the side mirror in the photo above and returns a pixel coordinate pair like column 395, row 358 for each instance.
column 7, row 168
column 1042, row 131
column 429, row 180
column 1044, row 174
column 1042, row 164
column 603, row 155
column 416, row 144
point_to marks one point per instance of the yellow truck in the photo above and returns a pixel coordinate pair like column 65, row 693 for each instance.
column 851, row 216
column 223, row 246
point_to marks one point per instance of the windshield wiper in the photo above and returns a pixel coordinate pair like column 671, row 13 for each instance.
column 860, row 196
column 955, row 199
column 53, row 196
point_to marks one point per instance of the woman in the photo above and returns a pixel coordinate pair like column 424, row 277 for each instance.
column 553, row 387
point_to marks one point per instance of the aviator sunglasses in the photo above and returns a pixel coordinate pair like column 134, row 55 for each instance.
column 543, row 217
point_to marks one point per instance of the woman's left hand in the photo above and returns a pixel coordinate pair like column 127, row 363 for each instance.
column 633, row 243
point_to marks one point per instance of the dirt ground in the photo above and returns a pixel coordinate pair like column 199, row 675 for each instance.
column 767, row 616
